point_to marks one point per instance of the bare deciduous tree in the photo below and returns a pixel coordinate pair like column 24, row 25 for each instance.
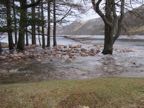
column 111, row 20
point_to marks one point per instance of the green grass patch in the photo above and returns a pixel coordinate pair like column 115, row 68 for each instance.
column 95, row 93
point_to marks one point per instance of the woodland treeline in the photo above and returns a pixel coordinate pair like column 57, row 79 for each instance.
column 39, row 18
column 23, row 18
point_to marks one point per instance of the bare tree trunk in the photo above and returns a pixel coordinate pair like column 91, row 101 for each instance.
column 33, row 24
column 39, row 39
column 9, row 24
column 54, row 23
column 108, row 40
column 112, row 22
column 22, row 24
column 27, row 39
column 42, row 17
column 26, row 30
column 15, row 22
column 49, row 26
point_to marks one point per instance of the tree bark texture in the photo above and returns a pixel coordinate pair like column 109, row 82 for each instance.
column 54, row 23
column 22, row 25
column 9, row 24
column 49, row 26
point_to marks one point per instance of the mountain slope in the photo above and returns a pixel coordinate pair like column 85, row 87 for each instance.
column 133, row 23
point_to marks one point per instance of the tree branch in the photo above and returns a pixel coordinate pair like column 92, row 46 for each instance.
column 67, row 13
column 120, row 21
column 97, row 9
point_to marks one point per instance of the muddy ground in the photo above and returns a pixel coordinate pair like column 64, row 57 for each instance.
column 127, row 61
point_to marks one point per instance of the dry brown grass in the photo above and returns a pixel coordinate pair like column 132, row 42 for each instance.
column 95, row 93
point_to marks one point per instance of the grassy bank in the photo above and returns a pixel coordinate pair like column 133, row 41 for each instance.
column 95, row 93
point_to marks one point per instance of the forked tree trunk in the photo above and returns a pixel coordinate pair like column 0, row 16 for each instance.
column 109, row 29
column 111, row 20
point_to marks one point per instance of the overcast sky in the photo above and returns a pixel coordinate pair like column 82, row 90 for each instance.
column 90, row 14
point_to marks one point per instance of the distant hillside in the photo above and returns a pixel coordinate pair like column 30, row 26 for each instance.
column 90, row 27
column 133, row 24
column 134, row 21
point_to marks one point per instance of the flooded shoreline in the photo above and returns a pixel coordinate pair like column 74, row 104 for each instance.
column 127, row 61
